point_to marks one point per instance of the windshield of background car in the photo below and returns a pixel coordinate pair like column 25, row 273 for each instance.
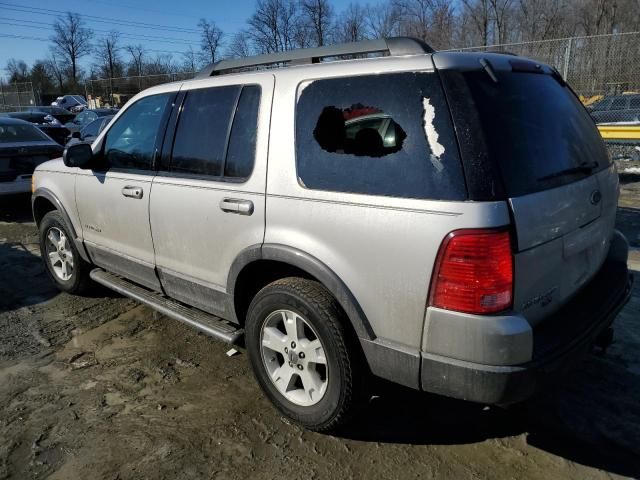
column 533, row 127
column 20, row 133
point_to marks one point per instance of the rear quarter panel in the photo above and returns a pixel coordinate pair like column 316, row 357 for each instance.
column 383, row 248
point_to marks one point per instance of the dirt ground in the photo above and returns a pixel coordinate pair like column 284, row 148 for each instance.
column 104, row 388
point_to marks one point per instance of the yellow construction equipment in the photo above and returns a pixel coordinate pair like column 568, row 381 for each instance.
column 620, row 133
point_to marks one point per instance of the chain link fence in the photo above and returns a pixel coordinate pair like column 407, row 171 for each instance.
column 16, row 96
column 604, row 70
column 115, row 92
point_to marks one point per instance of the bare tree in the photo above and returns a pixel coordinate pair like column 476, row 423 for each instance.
column 275, row 26
column 190, row 60
column 71, row 41
column 240, row 45
column 318, row 15
column 161, row 64
column 432, row 21
column 56, row 70
column 210, row 40
column 501, row 11
column 41, row 79
column 17, row 70
column 383, row 20
column 479, row 14
column 352, row 26
column 137, row 53
column 542, row 19
column 108, row 54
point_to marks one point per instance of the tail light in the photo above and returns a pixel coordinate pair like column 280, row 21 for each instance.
column 474, row 272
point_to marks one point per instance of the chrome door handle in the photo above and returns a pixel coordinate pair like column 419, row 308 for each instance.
column 131, row 191
column 234, row 205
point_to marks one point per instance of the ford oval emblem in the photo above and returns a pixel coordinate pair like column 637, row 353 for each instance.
column 595, row 198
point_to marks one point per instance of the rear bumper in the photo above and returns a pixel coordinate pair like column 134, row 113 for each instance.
column 558, row 344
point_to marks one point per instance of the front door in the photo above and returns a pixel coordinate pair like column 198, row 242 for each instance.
column 208, row 202
column 113, row 199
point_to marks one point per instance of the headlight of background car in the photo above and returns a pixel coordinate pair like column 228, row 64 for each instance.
column 51, row 120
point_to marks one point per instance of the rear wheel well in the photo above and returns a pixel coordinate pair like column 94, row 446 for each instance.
column 258, row 275
column 41, row 206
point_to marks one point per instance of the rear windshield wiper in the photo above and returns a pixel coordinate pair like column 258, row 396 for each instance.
column 586, row 167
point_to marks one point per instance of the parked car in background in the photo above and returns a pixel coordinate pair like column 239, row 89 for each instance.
column 73, row 103
column 85, row 118
column 45, row 122
column 22, row 148
column 91, row 131
column 59, row 113
column 616, row 109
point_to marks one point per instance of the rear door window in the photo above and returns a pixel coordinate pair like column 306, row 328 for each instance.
column 201, row 135
column 386, row 134
column 216, row 132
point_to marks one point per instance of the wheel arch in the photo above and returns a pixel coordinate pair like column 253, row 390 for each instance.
column 258, row 265
column 44, row 201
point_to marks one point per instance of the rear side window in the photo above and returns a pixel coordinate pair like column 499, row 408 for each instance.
column 216, row 132
column 384, row 134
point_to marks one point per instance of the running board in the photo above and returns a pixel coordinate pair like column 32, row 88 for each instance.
column 205, row 322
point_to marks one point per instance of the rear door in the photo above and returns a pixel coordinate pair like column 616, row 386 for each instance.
column 549, row 163
column 208, row 200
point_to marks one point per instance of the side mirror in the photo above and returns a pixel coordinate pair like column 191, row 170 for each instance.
column 75, row 135
column 78, row 155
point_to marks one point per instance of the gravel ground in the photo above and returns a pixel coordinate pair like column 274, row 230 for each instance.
column 104, row 388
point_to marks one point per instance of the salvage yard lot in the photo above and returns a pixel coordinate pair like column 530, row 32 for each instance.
column 102, row 387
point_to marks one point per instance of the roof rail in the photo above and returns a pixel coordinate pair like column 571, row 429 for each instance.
column 395, row 46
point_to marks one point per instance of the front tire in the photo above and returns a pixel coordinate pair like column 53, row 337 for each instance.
column 302, row 355
column 63, row 263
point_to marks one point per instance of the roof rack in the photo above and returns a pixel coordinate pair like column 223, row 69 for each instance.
column 395, row 46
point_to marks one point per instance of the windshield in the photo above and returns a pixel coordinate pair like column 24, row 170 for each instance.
column 20, row 133
column 534, row 128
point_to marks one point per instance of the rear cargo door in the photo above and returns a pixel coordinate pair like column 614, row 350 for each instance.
column 548, row 162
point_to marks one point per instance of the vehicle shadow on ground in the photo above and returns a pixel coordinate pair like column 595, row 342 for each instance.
column 16, row 208
column 24, row 281
column 628, row 222
column 590, row 417
column 400, row 415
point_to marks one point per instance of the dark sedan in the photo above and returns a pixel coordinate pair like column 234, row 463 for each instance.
column 85, row 118
column 91, row 131
column 45, row 122
column 22, row 148
column 616, row 109
column 61, row 114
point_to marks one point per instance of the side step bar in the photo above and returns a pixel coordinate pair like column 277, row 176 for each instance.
column 205, row 322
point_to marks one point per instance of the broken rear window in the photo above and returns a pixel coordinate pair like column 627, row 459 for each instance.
column 386, row 134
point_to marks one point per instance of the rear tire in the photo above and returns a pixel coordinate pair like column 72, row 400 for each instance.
column 63, row 263
column 302, row 354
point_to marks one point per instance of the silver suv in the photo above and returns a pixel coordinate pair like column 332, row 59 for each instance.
column 442, row 220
